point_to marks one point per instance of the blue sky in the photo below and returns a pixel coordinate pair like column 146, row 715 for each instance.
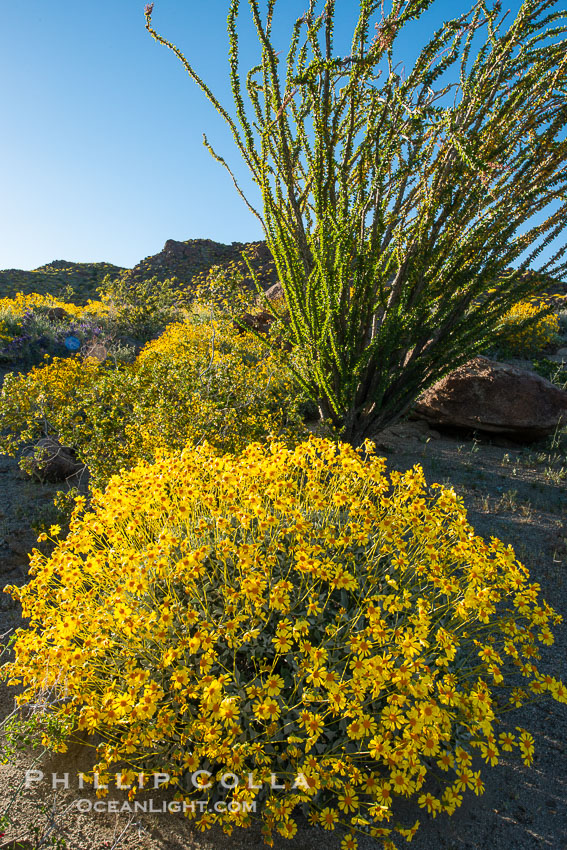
column 101, row 153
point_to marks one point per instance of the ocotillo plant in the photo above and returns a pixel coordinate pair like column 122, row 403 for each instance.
column 399, row 207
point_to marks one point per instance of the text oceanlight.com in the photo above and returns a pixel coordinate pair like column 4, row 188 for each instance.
column 165, row 806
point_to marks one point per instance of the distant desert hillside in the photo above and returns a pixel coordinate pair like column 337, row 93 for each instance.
column 184, row 261
column 75, row 282
column 78, row 282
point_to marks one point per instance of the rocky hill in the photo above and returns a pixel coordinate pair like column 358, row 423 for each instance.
column 195, row 257
column 185, row 261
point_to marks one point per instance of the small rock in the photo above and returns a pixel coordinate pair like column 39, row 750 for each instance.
column 275, row 292
column 259, row 322
column 57, row 314
column 50, row 461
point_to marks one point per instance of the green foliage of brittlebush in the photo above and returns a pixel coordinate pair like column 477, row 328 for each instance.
column 293, row 612
column 143, row 308
column 198, row 381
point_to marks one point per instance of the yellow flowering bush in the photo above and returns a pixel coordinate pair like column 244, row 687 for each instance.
column 527, row 328
column 209, row 381
column 35, row 324
column 287, row 612
column 197, row 381
column 18, row 305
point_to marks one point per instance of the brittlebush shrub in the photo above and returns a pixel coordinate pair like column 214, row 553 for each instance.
column 143, row 308
column 34, row 324
column 197, row 381
column 208, row 381
column 292, row 612
column 18, row 305
column 523, row 333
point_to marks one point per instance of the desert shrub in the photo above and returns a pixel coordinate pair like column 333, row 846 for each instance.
column 224, row 288
column 211, row 382
column 16, row 307
column 18, row 304
column 527, row 328
column 293, row 612
column 82, row 403
column 197, row 381
column 34, row 325
column 141, row 309
column 36, row 403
